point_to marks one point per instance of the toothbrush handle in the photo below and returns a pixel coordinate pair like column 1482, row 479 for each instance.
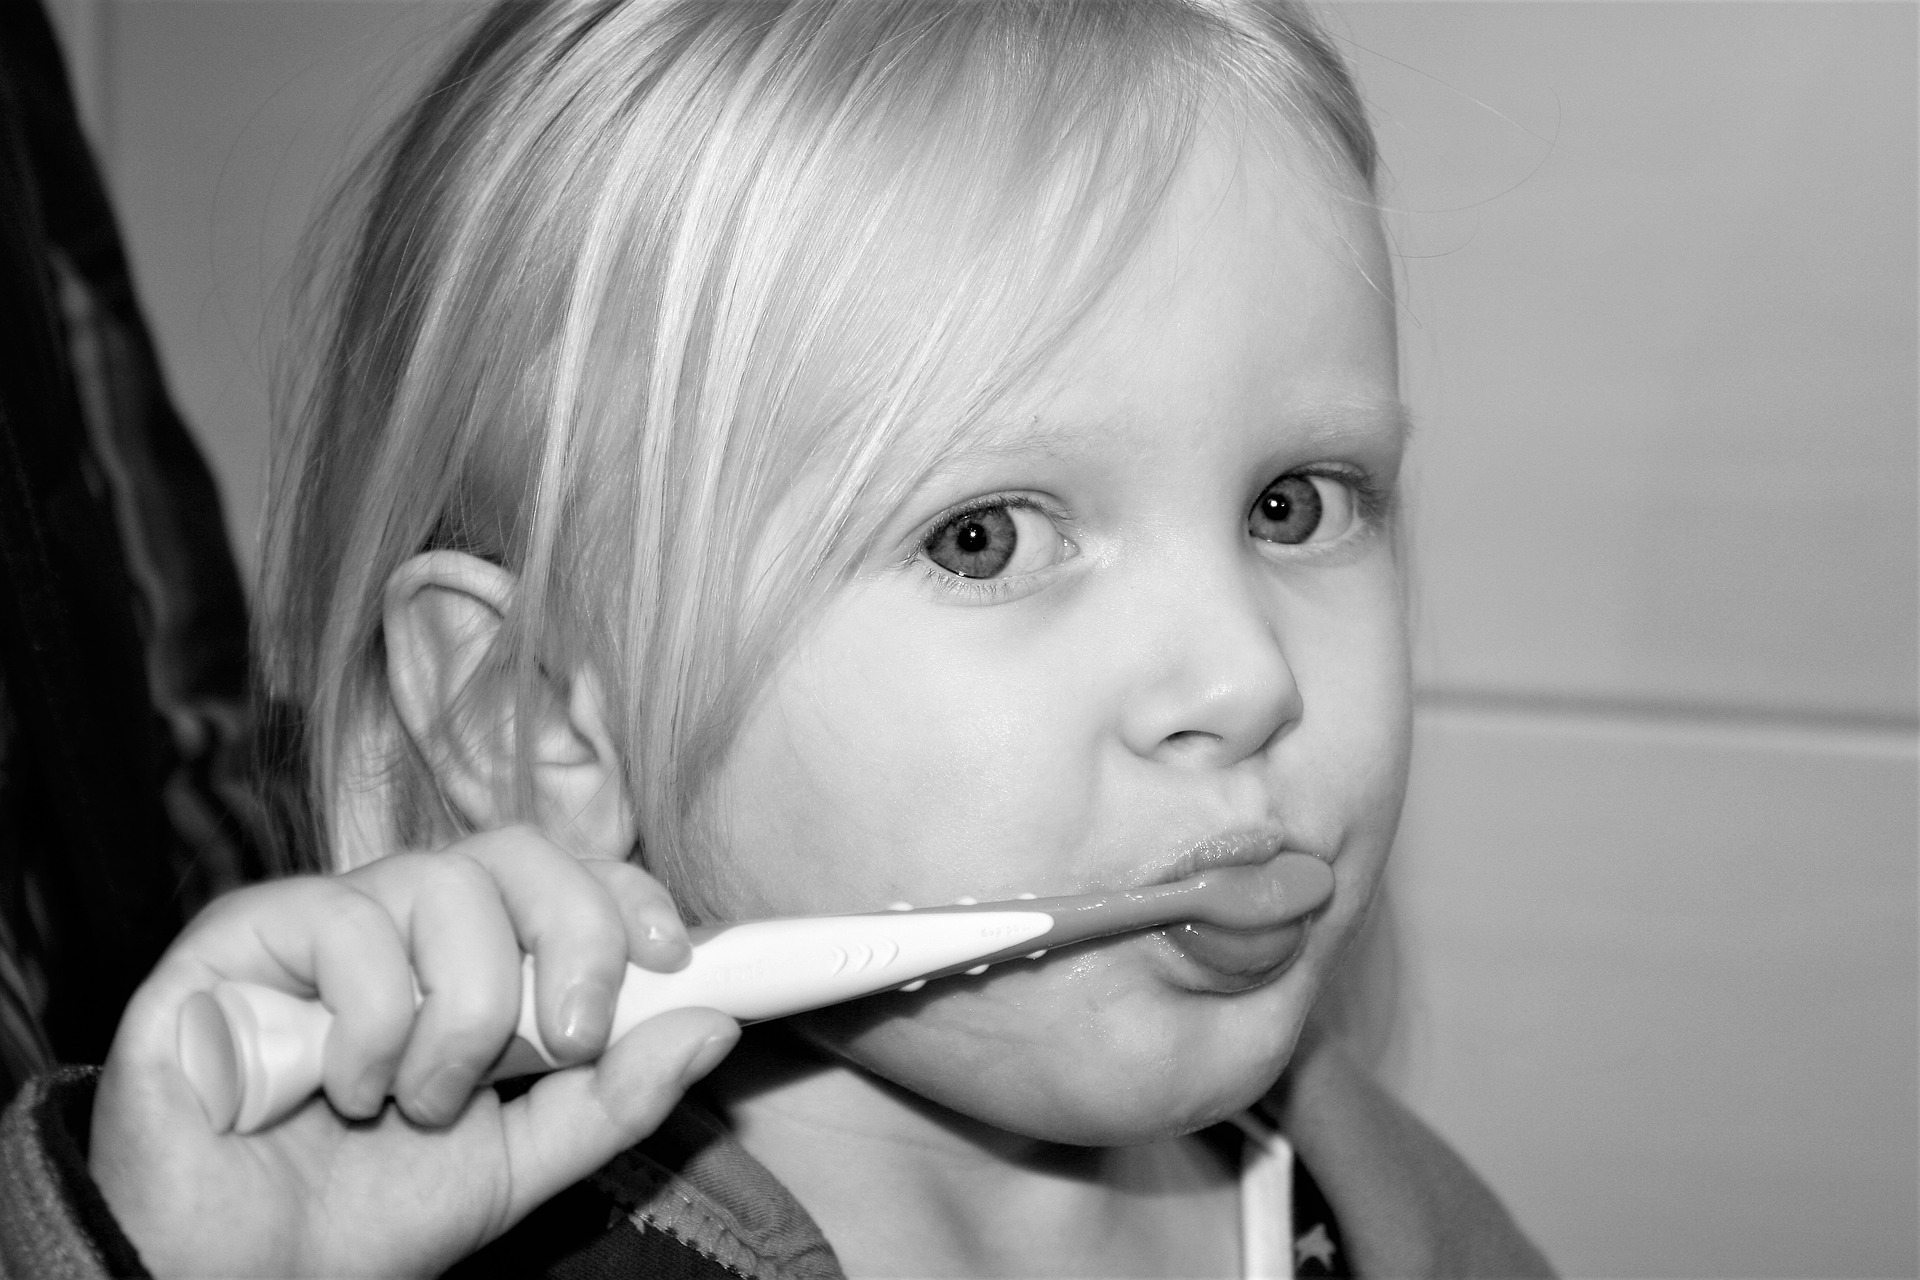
column 253, row 1053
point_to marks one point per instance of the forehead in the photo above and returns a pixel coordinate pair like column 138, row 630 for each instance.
column 1262, row 293
column 1068, row 427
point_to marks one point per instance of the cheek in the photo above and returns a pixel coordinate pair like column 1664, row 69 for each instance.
column 887, row 762
column 1081, row 1051
column 1345, row 768
column 1349, row 651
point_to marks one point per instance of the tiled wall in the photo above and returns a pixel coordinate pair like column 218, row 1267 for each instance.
column 1654, row 907
column 1656, row 885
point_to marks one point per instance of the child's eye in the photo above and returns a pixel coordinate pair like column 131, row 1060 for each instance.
column 1300, row 508
column 1003, row 539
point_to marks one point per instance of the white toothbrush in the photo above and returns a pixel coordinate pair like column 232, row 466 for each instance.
column 253, row 1053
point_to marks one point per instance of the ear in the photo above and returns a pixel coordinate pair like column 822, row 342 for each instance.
column 443, row 614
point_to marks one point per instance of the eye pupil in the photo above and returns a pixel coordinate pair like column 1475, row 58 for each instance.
column 978, row 544
column 1288, row 512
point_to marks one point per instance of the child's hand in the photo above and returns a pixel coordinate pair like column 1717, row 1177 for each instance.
column 343, row 1186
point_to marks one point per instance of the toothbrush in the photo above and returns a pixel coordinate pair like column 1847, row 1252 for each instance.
column 253, row 1053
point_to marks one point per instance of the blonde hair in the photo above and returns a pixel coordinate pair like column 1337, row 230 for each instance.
column 643, row 299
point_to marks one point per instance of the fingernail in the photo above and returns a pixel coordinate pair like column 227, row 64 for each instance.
column 444, row 1095
column 586, row 1014
column 668, row 951
column 369, row 1095
column 707, row 1056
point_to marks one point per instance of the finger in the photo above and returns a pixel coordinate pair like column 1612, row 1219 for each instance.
column 656, row 937
column 467, row 961
column 307, row 935
column 300, row 935
column 573, row 1122
column 360, row 968
column 570, row 924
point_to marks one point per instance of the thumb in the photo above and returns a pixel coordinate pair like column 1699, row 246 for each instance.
column 574, row 1121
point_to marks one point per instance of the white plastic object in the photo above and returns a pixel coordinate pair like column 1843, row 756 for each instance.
column 248, row 1050
column 253, row 1054
column 771, row 968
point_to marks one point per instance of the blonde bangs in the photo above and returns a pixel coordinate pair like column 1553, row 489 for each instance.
column 666, row 306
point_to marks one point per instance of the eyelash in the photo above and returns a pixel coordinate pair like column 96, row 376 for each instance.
column 1374, row 503
column 980, row 590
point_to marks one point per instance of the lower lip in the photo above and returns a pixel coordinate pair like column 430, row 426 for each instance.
column 1237, row 959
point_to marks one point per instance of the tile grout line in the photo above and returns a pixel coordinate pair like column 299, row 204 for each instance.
column 1752, row 726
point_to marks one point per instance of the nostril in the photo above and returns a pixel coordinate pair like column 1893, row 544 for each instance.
column 1190, row 738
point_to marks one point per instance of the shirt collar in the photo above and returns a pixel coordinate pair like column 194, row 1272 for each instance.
column 694, row 1182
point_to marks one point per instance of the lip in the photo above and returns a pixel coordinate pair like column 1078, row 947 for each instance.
column 1241, row 846
column 1228, row 960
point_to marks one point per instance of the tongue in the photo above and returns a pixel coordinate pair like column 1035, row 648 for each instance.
column 1239, row 953
column 1246, row 921
column 1258, row 897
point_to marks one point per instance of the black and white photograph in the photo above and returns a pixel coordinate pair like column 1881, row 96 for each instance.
column 1020, row 639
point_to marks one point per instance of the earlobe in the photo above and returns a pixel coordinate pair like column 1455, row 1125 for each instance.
column 443, row 615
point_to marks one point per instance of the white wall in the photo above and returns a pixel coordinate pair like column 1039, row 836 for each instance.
column 1656, row 883
column 1655, row 896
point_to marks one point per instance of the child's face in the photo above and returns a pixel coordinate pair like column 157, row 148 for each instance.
column 1163, row 651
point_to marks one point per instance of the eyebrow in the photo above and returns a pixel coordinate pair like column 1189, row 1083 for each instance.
column 1330, row 421
column 1319, row 423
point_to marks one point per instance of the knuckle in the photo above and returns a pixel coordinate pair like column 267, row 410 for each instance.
column 242, row 902
column 216, row 914
column 600, row 938
column 479, row 998
column 516, row 840
column 392, row 866
column 457, row 873
column 474, row 1023
column 341, row 910
column 631, row 886
column 386, row 1004
column 619, row 875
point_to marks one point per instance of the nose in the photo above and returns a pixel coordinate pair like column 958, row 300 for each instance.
column 1215, row 685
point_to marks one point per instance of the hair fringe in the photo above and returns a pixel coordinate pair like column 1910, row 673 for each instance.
column 631, row 275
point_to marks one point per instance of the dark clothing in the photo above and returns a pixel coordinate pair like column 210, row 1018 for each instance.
column 689, row 1203
column 123, row 630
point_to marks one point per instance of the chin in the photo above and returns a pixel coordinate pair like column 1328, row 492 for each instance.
column 1078, row 1055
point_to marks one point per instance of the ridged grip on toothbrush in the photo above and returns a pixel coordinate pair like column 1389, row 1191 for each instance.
column 254, row 1054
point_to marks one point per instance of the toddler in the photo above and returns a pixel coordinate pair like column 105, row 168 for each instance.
column 778, row 458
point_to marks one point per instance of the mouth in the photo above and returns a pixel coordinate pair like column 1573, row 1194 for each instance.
column 1247, row 846
column 1240, row 902
column 1222, row 959
column 1229, row 960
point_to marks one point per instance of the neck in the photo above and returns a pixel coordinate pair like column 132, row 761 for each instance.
column 903, row 1187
